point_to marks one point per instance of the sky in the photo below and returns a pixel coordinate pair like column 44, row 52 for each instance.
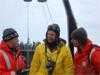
column 13, row 14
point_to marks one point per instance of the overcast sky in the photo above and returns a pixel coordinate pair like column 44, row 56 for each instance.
column 13, row 14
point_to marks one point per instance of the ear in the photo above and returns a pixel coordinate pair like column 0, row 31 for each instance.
column 46, row 34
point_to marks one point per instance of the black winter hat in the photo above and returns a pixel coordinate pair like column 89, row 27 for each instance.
column 79, row 34
column 55, row 28
column 9, row 34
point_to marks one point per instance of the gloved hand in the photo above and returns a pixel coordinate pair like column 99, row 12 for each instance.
column 20, row 72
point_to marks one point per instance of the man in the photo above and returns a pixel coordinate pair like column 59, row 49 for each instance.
column 52, row 56
column 87, row 57
column 11, row 62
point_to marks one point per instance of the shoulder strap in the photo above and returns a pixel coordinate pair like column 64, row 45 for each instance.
column 90, row 52
column 89, row 55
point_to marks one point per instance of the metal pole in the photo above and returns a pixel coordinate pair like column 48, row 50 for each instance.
column 71, row 24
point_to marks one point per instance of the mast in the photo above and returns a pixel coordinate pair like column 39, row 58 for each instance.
column 71, row 24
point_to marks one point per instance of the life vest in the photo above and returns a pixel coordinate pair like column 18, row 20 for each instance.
column 88, row 63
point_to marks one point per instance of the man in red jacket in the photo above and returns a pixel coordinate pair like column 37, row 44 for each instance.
column 87, row 57
column 11, row 62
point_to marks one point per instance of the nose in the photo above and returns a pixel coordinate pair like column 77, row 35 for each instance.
column 72, row 40
column 18, row 40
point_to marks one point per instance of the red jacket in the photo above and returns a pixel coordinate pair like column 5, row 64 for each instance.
column 9, row 63
column 81, row 61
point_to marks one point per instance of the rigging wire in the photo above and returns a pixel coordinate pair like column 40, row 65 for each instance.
column 49, row 12
column 44, row 14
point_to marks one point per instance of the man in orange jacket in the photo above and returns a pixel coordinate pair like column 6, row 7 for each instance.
column 87, row 57
column 11, row 62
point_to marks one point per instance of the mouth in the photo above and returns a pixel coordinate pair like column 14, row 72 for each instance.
column 50, row 41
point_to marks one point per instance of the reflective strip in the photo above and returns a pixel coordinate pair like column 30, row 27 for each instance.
column 91, row 54
column 6, row 58
column 49, row 52
column 12, row 73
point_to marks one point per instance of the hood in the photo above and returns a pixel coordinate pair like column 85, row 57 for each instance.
column 4, row 46
column 62, row 42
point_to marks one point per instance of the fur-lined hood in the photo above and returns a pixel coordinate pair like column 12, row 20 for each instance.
column 61, row 43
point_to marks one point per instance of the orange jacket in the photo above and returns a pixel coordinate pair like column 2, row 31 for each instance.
column 9, row 63
column 81, row 61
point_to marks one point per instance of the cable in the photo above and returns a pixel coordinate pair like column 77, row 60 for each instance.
column 44, row 14
column 49, row 12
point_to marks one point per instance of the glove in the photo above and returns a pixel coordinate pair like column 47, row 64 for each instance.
column 19, row 72
column 22, row 72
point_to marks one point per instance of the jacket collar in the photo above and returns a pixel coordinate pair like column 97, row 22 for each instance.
column 87, row 47
column 61, row 43
column 84, row 51
column 4, row 46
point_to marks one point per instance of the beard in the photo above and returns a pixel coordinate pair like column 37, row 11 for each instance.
column 51, row 43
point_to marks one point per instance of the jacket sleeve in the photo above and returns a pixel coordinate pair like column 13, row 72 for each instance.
column 35, row 64
column 96, row 60
column 68, row 63
column 3, row 67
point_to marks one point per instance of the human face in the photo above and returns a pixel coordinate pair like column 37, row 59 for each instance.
column 14, row 42
column 51, row 36
column 75, row 43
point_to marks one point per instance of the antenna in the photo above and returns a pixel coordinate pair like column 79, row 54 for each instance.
column 28, row 40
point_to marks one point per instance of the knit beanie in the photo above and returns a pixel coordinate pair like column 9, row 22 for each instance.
column 79, row 34
column 9, row 34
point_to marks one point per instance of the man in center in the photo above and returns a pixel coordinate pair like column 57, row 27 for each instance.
column 52, row 56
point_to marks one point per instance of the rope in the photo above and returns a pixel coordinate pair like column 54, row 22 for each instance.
column 44, row 14
column 49, row 12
